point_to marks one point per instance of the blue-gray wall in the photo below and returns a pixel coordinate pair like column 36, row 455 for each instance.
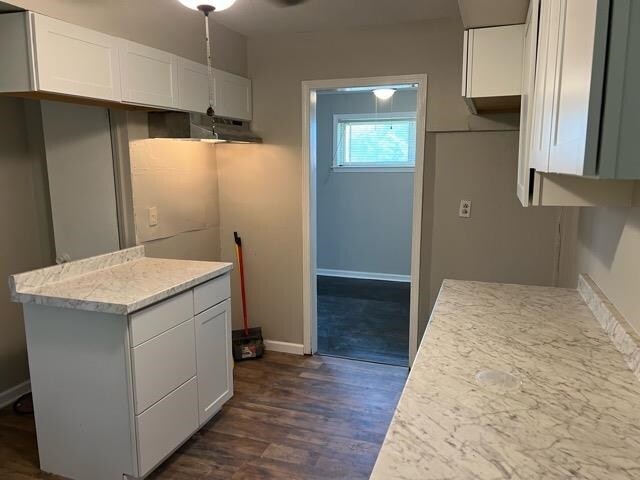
column 364, row 218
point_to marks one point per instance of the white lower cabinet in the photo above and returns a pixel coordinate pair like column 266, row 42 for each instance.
column 181, row 371
column 115, row 394
column 214, row 359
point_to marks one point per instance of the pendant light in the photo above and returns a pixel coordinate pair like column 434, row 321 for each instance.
column 211, row 5
column 383, row 93
column 207, row 7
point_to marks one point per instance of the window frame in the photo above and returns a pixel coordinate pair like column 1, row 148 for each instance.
column 371, row 167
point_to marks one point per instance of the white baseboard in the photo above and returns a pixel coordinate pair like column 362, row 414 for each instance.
column 11, row 395
column 389, row 277
column 284, row 347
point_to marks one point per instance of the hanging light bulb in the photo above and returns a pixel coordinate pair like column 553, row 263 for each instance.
column 208, row 5
column 384, row 93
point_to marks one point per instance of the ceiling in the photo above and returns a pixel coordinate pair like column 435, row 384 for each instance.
column 5, row 7
column 254, row 17
column 490, row 13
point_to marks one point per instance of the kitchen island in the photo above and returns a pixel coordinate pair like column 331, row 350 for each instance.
column 517, row 382
column 128, row 357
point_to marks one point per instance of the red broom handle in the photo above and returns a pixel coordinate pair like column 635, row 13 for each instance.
column 245, row 317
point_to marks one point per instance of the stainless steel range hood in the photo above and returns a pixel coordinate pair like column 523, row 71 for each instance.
column 197, row 127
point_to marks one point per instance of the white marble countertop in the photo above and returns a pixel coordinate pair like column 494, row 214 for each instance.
column 572, row 411
column 119, row 282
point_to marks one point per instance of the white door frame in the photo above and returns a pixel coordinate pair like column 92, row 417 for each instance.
column 309, row 207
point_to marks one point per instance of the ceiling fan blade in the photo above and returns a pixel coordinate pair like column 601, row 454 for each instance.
column 287, row 3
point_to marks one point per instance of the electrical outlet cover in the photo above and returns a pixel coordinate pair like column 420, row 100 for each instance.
column 465, row 209
column 153, row 216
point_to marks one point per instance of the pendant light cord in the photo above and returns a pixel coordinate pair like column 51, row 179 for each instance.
column 210, row 110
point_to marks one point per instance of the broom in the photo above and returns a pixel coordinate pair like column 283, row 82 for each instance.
column 247, row 343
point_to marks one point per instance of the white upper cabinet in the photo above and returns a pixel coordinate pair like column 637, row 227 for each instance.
column 584, row 117
column 233, row 96
column 526, row 107
column 58, row 57
column 48, row 56
column 193, row 86
column 564, row 123
column 492, row 70
column 543, row 77
column 231, row 93
column 149, row 76
column 578, row 85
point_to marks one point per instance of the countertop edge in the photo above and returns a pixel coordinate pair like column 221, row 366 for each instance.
column 116, row 308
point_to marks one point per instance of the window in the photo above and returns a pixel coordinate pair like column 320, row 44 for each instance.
column 375, row 141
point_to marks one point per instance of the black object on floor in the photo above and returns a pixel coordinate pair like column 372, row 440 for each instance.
column 24, row 405
column 364, row 319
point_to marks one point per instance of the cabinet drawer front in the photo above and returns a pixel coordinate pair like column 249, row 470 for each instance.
column 163, row 427
column 162, row 364
column 211, row 293
column 160, row 317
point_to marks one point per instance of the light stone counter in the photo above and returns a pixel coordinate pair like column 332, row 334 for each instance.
column 570, row 410
column 119, row 282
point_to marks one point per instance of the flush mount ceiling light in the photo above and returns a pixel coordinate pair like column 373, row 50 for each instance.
column 207, row 5
column 384, row 93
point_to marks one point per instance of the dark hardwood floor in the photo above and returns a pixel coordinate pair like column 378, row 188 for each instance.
column 364, row 319
column 291, row 418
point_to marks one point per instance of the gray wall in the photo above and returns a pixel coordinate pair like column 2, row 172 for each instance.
column 25, row 235
column 80, row 173
column 261, row 186
column 502, row 241
column 364, row 218
column 609, row 251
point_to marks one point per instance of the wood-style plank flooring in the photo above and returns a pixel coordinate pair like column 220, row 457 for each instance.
column 291, row 418
column 364, row 319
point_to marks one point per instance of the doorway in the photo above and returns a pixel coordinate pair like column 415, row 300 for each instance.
column 362, row 214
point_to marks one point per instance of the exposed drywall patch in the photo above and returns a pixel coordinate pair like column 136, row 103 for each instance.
column 175, row 188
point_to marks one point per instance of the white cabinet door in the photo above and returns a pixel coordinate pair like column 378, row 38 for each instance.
column 495, row 61
column 544, row 83
column 193, row 86
column 578, row 85
column 149, row 76
column 72, row 60
column 213, row 359
column 233, row 96
column 526, row 108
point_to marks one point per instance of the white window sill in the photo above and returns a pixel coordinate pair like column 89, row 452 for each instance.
column 373, row 169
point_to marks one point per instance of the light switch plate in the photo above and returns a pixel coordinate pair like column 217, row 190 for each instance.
column 465, row 209
column 153, row 216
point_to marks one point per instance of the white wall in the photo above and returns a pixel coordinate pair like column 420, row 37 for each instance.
column 180, row 179
column 609, row 251
column 364, row 218
column 25, row 235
